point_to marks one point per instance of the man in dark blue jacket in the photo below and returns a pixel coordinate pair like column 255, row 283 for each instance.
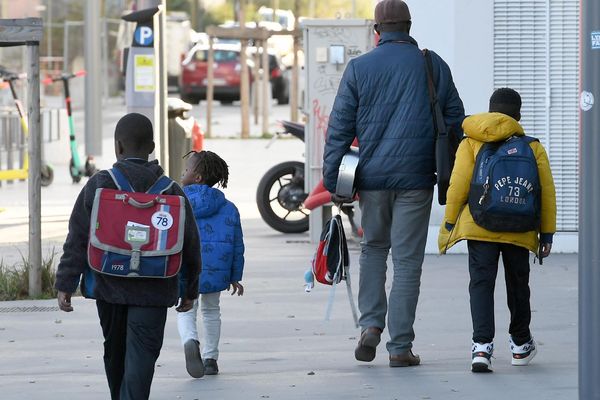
column 383, row 100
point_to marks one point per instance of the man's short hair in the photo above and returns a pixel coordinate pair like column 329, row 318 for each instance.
column 134, row 131
column 506, row 101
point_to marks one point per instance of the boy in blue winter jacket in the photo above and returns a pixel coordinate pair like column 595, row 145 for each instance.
column 222, row 252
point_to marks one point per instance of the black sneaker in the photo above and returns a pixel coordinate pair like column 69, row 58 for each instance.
column 481, row 354
column 211, row 367
column 193, row 360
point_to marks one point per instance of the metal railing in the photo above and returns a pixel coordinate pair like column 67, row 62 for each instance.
column 13, row 141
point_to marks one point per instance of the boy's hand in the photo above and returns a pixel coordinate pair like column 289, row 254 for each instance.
column 185, row 305
column 545, row 249
column 237, row 288
column 64, row 301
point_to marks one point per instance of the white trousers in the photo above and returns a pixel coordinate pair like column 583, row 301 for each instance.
column 211, row 324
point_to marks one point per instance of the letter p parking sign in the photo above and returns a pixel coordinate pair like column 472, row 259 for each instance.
column 144, row 36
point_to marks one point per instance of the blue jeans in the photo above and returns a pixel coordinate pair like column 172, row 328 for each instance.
column 398, row 220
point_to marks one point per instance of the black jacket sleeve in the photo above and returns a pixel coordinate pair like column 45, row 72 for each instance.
column 74, row 259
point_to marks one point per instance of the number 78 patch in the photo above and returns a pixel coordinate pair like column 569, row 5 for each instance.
column 162, row 220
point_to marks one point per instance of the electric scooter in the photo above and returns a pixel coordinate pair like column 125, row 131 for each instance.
column 76, row 170
column 47, row 173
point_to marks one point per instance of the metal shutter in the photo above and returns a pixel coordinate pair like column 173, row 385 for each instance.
column 536, row 51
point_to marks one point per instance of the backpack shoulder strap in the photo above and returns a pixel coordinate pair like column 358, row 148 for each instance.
column 119, row 178
column 161, row 185
column 529, row 139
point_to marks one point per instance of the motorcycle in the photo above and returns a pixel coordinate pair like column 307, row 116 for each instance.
column 281, row 199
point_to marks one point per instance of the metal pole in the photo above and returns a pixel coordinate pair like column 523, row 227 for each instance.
column 93, row 78
column 265, row 88
column 49, row 42
column 295, row 67
column 104, row 55
column 275, row 7
column 194, row 14
column 245, row 81
column 255, row 85
column 161, row 122
column 35, row 163
column 66, row 47
column 210, row 76
column 589, row 198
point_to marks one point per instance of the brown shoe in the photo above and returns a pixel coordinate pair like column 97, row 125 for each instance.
column 407, row 359
column 369, row 339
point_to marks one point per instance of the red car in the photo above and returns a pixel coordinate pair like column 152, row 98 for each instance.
column 227, row 68
column 227, row 77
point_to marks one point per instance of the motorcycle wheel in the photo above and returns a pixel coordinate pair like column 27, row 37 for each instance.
column 280, row 195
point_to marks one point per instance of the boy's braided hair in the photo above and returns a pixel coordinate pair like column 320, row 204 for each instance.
column 213, row 169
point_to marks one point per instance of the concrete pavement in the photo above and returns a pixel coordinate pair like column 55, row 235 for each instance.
column 275, row 343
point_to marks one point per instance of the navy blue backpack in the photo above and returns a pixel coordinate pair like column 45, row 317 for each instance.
column 505, row 193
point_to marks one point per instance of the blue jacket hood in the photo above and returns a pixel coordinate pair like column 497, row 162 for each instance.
column 205, row 200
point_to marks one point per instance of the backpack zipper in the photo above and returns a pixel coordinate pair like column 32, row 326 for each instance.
column 486, row 187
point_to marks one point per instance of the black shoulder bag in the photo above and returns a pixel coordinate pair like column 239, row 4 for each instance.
column 446, row 142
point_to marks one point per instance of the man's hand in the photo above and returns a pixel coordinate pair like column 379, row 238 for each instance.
column 185, row 305
column 64, row 301
column 237, row 288
column 340, row 200
column 545, row 249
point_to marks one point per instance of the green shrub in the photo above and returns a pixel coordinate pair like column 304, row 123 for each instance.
column 14, row 280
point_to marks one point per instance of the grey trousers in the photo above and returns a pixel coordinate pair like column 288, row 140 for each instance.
column 398, row 220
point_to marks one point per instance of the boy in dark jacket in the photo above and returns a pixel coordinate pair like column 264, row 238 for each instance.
column 222, row 254
column 132, row 312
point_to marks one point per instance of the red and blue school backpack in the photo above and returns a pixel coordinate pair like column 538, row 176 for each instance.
column 331, row 263
column 134, row 234
column 331, row 260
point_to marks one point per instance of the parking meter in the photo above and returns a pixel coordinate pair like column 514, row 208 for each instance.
column 141, row 63
column 142, row 74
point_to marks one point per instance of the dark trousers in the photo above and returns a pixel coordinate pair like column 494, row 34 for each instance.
column 483, row 268
column 133, row 337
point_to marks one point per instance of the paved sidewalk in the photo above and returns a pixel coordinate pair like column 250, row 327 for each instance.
column 276, row 344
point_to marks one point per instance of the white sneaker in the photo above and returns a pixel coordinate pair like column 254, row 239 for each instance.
column 481, row 354
column 522, row 355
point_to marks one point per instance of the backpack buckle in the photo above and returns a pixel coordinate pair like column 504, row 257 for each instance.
column 134, row 264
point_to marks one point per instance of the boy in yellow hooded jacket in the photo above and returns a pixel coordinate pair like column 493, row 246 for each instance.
column 485, row 246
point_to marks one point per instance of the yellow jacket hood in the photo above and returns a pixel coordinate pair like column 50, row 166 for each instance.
column 491, row 127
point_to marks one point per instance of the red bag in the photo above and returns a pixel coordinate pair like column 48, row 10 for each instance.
column 136, row 235
column 331, row 260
